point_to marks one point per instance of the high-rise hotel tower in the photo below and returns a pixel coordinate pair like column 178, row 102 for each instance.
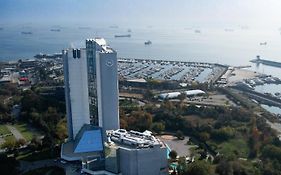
column 91, row 87
column 91, row 90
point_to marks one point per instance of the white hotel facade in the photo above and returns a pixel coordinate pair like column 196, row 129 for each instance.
column 91, row 86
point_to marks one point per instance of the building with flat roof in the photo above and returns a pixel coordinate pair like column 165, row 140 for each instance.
column 189, row 93
column 132, row 152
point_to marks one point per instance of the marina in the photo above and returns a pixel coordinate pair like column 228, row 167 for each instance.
column 186, row 72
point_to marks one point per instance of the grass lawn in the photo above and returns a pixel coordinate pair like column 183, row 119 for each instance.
column 47, row 170
column 25, row 131
column 238, row 147
column 4, row 130
column 10, row 138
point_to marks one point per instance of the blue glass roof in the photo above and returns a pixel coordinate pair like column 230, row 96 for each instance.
column 89, row 142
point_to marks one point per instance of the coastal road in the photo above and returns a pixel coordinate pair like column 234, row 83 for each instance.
column 15, row 132
column 260, row 97
column 263, row 99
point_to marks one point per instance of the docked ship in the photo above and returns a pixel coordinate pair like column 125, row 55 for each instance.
column 119, row 36
column 147, row 42
column 258, row 60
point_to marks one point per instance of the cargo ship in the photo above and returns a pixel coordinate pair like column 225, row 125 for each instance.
column 55, row 30
column 114, row 27
column 26, row 33
column 147, row 42
column 258, row 60
column 118, row 36
column 84, row 28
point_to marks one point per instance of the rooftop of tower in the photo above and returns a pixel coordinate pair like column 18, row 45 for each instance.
column 101, row 42
column 133, row 139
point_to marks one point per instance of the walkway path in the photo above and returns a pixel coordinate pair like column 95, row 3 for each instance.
column 15, row 132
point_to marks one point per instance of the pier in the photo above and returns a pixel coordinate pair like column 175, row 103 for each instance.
column 258, row 60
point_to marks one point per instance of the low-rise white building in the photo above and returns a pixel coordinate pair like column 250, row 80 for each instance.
column 188, row 93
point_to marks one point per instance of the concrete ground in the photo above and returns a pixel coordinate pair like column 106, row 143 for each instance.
column 241, row 74
column 212, row 100
column 180, row 146
column 215, row 100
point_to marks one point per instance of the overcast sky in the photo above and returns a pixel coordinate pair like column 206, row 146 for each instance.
column 143, row 12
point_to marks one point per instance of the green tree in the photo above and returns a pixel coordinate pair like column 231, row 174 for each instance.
column 224, row 168
column 223, row 134
column 35, row 143
column 21, row 142
column 197, row 168
column 61, row 130
column 158, row 127
column 204, row 136
column 148, row 95
column 182, row 97
column 179, row 135
column 123, row 123
column 139, row 120
column 271, row 152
